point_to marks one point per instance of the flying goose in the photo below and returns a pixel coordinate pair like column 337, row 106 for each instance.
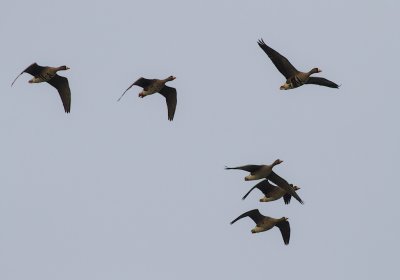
column 49, row 74
column 283, row 184
column 294, row 78
column 271, row 192
column 257, row 171
column 264, row 223
column 151, row 86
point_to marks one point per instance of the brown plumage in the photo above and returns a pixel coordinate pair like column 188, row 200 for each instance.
column 151, row 86
column 265, row 171
column 49, row 74
column 271, row 192
column 264, row 223
column 257, row 171
column 283, row 184
column 294, row 78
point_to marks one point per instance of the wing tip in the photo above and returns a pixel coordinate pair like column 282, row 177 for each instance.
column 261, row 42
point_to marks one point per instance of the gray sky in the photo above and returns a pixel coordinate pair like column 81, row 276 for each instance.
column 116, row 191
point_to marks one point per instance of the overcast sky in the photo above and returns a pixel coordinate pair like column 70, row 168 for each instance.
column 116, row 191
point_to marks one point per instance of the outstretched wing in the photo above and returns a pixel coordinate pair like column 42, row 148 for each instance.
column 263, row 186
column 283, row 184
column 62, row 86
column 254, row 214
column 322, row 82
column 34, row 69
column 141, row 82
column 170, row 96
column 281, row 62
column 284, row 227
column 249, row 168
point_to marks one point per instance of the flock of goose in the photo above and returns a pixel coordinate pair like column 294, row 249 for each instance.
column 280, row 187
column 271, row 192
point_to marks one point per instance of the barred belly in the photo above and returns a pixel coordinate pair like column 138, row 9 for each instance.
column 294, row 82
column 43, row 77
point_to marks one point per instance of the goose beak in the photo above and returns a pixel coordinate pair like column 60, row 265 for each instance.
column 67, row 68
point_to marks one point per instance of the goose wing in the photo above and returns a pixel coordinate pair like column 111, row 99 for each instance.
column 249, row 168
column 62, row 86
column 287, row 198
column 263, row 186
column 321, row 82
column 284, row 227
column 283, row 184
column 170, row 96
column 34, row 69
column 254, row 214
column 141, row 82
column 282, row 63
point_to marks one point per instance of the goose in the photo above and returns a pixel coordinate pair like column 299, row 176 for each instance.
column 294, row 78
column 271, row 192
column 264, row 223
column 49, row 74
column 256, row 171
column 151, row 86
column 283, row 184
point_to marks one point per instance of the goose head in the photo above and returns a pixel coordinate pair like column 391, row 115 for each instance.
column 295, row 187
column 170, row 78
column 63, row 67
column 276, row 162
column 315, row 70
